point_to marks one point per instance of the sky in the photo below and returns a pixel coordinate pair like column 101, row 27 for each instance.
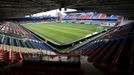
column 52, row 12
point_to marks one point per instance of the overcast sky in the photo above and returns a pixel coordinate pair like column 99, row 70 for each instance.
column 53, row 12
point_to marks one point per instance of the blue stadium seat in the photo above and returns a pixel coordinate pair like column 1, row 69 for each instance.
column 3, row 40
column 11, row 41
column 23, row 44
column 18, row 42
column 29, row 44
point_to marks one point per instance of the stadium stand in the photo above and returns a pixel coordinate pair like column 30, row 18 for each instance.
column 31, row 19
column 91, row 18
column 27, row 38
column 22, row 60
column 112, row 52
column 88, row 15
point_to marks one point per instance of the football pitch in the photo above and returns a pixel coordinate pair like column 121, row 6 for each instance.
column 63, row 33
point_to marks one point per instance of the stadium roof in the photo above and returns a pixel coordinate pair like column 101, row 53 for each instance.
column 18, row 8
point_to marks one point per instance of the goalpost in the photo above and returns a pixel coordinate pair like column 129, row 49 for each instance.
column 59, row 17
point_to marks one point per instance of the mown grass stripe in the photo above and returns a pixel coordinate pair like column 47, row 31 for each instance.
column 62, row 33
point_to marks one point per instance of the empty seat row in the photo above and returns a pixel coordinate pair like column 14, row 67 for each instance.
column 28, row 43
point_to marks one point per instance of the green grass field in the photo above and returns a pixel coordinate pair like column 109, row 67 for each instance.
column 62, row 33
